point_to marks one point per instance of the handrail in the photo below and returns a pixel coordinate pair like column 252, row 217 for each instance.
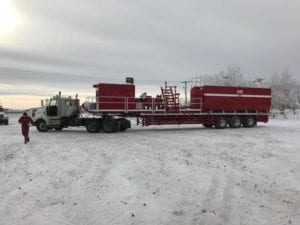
column 128, row 104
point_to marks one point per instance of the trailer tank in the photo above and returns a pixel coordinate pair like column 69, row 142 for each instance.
column 231, row 99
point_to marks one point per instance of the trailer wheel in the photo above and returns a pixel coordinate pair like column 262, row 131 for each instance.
column 235, row 122
column 92, row 126
column 41, row 126
column 249, row 121
column 208, row 125
column 221, row 122
column 109, row 125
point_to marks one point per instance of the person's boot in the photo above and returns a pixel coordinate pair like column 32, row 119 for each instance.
column 27, row 139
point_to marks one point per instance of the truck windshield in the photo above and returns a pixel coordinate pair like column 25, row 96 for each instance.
column 53, row 102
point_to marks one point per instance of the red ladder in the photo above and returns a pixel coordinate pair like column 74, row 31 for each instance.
column 171, row 98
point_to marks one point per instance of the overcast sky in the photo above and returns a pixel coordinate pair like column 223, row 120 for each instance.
column 52, row 45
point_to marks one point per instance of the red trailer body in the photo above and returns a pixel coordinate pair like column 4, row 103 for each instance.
column 231, row 99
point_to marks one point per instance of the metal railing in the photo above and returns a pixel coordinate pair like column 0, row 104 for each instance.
column 127, row 104
column 131, row 104
column 218, row 80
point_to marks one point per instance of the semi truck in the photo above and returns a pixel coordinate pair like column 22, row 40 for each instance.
column 3, row 116
column 216, row 106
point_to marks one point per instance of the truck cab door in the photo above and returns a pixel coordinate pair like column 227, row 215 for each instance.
column 52, row 108
column 71, row 108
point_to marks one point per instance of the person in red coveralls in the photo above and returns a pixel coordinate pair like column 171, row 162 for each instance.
column 25, row 121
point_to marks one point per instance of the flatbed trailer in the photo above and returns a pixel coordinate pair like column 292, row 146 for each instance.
column 217, row 106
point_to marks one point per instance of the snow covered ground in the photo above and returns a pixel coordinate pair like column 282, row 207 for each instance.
column 154, row 175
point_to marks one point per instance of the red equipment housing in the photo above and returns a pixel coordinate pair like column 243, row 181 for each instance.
column 121, row 97
column 231, row 99
column 115, row 96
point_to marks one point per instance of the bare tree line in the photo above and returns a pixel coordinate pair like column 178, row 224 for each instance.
column 285, row 91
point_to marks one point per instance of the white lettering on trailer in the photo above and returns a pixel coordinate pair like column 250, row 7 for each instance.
column 236, row 95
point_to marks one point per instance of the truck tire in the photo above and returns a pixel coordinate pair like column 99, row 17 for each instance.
column 221, row 123
column 235, row 122
column 92, row 126
column 109, row 125
column 41, row 126
column 6, row 122
column 124, row 124
column 249, row 121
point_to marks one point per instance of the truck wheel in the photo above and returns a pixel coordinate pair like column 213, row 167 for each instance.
column 208, row 125
column 6, row 122
column 249, row 121
column 221, row 122
column 235, row 122
column 124, row 124
column 109, row 125
column 92, row 126
column 41, row 126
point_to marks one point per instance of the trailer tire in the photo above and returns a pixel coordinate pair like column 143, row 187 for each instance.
column 41, row 126
column 221, row 123
column 92, row 126
column 235, row 122
column 249, row 121
column 109, row 125
column 208, row 125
